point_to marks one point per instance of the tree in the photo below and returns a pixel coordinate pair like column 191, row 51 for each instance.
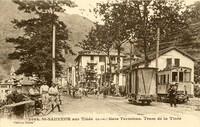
column 141, row 19
column 193, row 13
column 193, row 18
column 34, row 48
column 114, row 15
column 171, row 17
column 99, row 40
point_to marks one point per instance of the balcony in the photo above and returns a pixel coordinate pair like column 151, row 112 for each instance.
column 113, row 70
column 92, row 62
column 93, row 71
column 113, row 63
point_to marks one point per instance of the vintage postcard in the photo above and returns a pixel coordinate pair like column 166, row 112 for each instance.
column 110, row 63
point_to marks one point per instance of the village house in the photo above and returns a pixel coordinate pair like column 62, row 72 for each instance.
column 170, row 59
column 8, row 84
column 95, row 67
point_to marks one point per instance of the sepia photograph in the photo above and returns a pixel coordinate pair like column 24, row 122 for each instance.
column 94, row 63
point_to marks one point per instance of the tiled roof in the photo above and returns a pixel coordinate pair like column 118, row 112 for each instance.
column 97, row 54
column 153, row 56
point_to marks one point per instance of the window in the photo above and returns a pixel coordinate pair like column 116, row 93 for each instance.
column 91, row 57
column 3, row 86
column 92, row 67
column 112, row 69
column 169, row 62
column 112, row 58
column 163, row 79
column 174, row 76
column 177, row 62
column 180, row 76
column 159, row 79
column 187, row 76
column 102, row 68
column 101, row 58
column 167, row 78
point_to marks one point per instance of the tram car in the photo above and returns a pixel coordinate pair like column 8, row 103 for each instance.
column 141, row 85
column 180, row 76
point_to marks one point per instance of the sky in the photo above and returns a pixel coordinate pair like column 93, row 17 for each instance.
column 83, row 7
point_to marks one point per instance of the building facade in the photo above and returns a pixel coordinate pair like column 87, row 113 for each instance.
column 95, row 67
column 168, row 60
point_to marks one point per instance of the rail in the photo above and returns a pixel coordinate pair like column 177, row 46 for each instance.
column 28, row 109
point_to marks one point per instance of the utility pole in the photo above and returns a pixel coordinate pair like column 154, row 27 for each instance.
column 53, row 47
column 131, row 52
column 53, row 51
column 157, row 46
column 132, row 40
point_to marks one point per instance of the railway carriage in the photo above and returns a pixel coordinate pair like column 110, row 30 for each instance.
column 174, row 75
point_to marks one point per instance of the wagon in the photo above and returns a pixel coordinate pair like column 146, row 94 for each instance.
column 141, row 85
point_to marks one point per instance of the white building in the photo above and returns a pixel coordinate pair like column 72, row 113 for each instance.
column 71, row 75
column 172, row 57
column 3, row 88
column 97, row 64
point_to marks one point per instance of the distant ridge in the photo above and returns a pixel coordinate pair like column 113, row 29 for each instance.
column 78, row 26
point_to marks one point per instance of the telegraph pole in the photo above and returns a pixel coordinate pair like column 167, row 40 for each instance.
column 131, row 52
column 53, row 48
column 157, row 46
column 53, row 52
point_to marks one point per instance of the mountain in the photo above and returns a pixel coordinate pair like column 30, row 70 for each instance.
column 77, row 25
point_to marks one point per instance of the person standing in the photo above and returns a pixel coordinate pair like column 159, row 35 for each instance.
column 33, row 91
column 98, row 91
column 105, row 91
column 34, row 95
column 18, row 96
column 45, row 96
column 172, row 95
column 53, row 93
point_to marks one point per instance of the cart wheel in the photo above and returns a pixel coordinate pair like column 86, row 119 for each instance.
column 158, row 99
column 148, row 102
column 142, row 102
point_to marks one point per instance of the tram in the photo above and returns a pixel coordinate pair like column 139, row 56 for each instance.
column 180, row 76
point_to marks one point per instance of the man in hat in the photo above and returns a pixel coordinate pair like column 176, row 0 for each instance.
column 33, row 91
column 172, row 95
column 34, row 95
column 45, row 96
column 17, row 97
column 53, row 93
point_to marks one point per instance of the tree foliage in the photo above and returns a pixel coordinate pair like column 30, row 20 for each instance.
column 34, row 48
column 140, row 19
column 193, row 12
column 99, row 40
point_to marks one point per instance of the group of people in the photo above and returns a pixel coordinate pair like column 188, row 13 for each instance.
column 51, row 95
column 77, row 92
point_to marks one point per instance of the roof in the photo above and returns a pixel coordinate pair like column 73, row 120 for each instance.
column 27, row 82
column 153, row 56
column 172, row 68
column 97, row 54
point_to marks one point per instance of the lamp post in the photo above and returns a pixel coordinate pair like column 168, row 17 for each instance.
column 53, row 48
